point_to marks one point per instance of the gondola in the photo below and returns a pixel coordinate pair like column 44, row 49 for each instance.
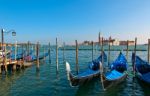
column 86, row 75
column 32, row 58
column 116, row 74
column 21, row 55
column 142, row 69
column 17, row 57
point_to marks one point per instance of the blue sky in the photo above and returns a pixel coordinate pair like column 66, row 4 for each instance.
column 44, row 20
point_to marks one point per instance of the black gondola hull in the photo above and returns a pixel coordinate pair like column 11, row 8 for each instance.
column 75, row 81
column 109, row 83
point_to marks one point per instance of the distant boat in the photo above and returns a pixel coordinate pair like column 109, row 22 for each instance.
column 88, row 74
column 117, row 74
column 142, row 69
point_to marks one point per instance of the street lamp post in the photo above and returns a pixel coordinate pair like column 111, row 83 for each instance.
column 15, row 49
column 2, row 34
column 2, row 44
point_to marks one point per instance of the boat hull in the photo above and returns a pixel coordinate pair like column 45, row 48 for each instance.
column 75, row 81
column 142, row 69
column 87, row 75
column 139, row 77
column 110, row 83
column 117, row 74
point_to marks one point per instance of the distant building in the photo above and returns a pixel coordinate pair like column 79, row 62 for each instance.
column 86, row 43
column 105, row 41
column 125, row 42
column 5, row 44
column 114, row 42
column 108, row 41
column 111, row 41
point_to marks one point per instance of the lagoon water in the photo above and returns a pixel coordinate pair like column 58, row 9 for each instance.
column 49, row 82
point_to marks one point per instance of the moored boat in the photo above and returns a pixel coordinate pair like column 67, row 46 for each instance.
column 85, row 76
column 142, row 69
column 32, row 58
column 116, row 74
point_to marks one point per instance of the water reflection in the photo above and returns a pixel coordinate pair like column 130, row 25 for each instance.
column 117, row 89
column 145, row 87
column 7, row 81
column 86, row 88
column 38, row 74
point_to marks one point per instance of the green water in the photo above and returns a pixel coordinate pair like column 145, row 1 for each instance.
column 48, row 82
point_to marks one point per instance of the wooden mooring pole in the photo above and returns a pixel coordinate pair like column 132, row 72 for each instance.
column 148, row 57
column 56, row 55
column 5, row 59
column 28, row 47
column 64, row 52
column 37, row 55
column 102, row 52
column 77, row 67
column 49, row 51
column 44, row 53
column 134, row 56
column 15, row 50
column 92, row 49
column 0, row 69
column 35, row 45
column 109, row 51
column 23, row 57
column 14, row 66
column 2, row 48
column 127, row 51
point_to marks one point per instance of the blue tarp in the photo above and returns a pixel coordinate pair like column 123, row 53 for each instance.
column 114, row 75
column 120, row 64
column 18, row 56
column 118, row 67
column 93, row 67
